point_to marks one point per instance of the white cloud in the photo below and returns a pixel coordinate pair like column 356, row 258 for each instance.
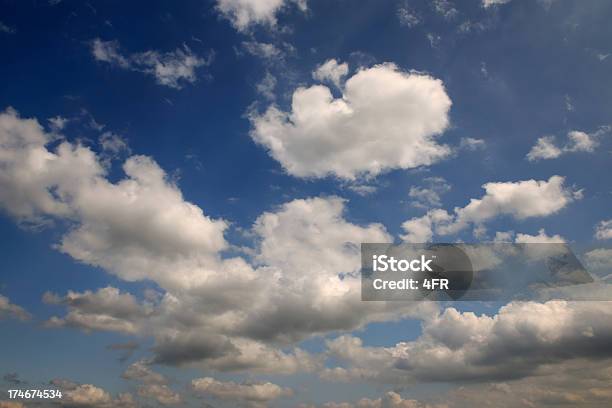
column 521, row 200
column 331, row 71
column 58, row 123
column 580, row 142
column 603, row 230
column 541, row 238
column 266, row 86
column 470, row 143
column 546, row 148
column 113, row 145
column 429, row 196
column 265, row 51
column 12, row 311
column 386, row 119
column 445, row 8
column 420, row 229
column 243, row 14
column 172, row 69
column 408, row 17
column 489, row 3
column 218, row 312
column 252, row 394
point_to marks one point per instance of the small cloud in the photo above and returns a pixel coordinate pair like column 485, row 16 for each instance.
column 434, row 40
column 172, row 69
column 331, row 71
column 6, row 29
column 113, row 145
column 266, row 86
column 9, row 310
column 362, row 189
column 569, row 106
column 428, row 196
column 489, row 3
column 58, row 123
column 445, row 8
column 603, row 230
column 577, row 141
column 408, row 17
column 472, row 144
column 244, row 14
column 265, row 51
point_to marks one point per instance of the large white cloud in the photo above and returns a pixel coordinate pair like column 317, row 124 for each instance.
column 520, row 200
column 386, row 119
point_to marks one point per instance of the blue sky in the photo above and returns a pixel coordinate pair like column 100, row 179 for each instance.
column 188, row 86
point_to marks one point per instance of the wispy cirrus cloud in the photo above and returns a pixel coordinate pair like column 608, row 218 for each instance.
column 173, row 69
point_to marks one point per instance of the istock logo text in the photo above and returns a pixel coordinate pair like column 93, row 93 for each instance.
column 383, row 263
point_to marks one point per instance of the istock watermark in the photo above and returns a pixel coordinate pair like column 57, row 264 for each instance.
column 478, row 272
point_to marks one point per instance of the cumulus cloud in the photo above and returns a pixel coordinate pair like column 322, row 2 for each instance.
column 520, row 339
column 520, row 200
column 219, row 312
column 603, row 230
column 172, row 69
column 385, row 119
column 251, row 394
column 546, row 148
column 243, row 14
column 9, row 310
column 331, row 71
